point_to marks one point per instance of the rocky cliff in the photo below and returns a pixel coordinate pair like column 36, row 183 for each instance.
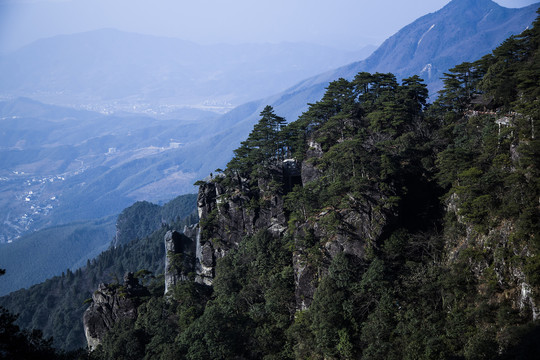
column 493, row 255
column 374, row 226
column 230, row 211
column 364, row 179
column 111, row 303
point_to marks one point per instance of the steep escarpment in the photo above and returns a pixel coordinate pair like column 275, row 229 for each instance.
column 230, row 214
column 334, row 181
column 179, row 256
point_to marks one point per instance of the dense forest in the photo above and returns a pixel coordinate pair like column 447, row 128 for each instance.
column 412, row 232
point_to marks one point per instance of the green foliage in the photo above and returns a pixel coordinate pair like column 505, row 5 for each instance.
column 246, row 315
column 137, row 221
column 381, row 149
column 142, row 218
column 17, row 344
column 265, row 146
column 489, row 165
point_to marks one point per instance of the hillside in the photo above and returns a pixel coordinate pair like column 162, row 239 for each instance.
column 59, row 165
column 48, row 252
column 61, row 159
column 375, row 226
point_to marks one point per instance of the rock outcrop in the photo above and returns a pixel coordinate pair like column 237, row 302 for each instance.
column 230, row 212
column 309, row 171
column 179, row 256
column 111, row 304
column 494, row 246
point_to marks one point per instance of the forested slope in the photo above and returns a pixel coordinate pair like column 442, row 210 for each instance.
column 373, row 227
column 47, row 252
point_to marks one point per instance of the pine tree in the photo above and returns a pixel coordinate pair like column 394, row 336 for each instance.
column 265, row 146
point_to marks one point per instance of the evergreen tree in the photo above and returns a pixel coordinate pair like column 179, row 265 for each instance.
column 264, row 147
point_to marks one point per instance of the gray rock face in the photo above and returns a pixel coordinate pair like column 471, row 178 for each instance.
column 204, row 259
column 111, row 304
column 357, row 227
column 308, row 171
column 510, row 275
column 205, row 264
column 229, row 214
column 179, row 256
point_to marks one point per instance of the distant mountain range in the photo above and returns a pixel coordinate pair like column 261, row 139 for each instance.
column 463, row 30
column 109, row 70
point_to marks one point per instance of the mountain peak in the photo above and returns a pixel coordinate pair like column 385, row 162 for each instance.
column 471, row 4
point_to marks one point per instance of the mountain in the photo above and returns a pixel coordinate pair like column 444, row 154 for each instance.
column 408, row 234
column 62, row 159
column 109, row 70
column 143, row 218
column 373, row 227
column 463, row 30
column 48, row 252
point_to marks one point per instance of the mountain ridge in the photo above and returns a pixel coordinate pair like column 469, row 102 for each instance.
column 112, row 70
column 386, row 49
column 150, row 169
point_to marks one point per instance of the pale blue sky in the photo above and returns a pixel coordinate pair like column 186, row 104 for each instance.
column 341, row 23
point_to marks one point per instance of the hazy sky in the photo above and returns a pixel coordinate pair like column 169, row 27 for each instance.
column 342, row 23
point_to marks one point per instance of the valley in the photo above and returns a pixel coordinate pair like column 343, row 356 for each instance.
column 28, row 198
column 150, row 138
